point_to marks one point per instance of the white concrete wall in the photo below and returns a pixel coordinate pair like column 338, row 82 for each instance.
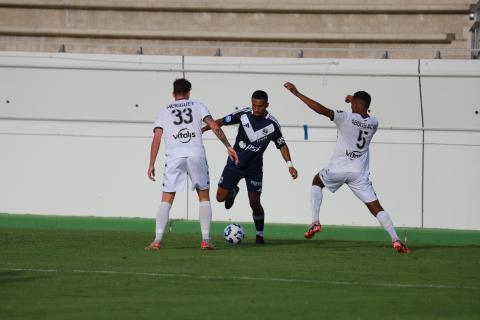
column 452, row 171
column 99, row 168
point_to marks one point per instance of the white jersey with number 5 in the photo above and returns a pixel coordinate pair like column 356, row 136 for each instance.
column 181, row 122
column 354, row 134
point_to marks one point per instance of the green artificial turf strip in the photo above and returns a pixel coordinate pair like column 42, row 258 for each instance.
column 79, row 268
column 424, row 236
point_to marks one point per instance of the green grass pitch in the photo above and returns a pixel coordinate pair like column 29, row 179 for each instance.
column 96, row 268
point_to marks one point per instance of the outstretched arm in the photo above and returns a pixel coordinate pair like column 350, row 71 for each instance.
column 207, row 127
column 314, row 105
column 157, row 139
column 212, row 124
column 286, row 156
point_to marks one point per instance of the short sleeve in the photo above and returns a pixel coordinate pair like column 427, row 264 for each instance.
column 234, row 118
column 376, row 126
column 278, row 137
column 203, row 110
column 339, row 117
column 159, row 121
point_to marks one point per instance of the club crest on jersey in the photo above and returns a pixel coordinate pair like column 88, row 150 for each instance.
column 184, row 136
column 353, row 154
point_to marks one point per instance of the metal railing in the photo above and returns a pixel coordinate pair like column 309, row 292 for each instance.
column 294, row 126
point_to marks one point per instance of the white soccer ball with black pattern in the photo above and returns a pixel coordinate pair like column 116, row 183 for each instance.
column 234, row 233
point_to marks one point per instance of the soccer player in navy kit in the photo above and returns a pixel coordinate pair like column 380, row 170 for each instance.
column 256, row 129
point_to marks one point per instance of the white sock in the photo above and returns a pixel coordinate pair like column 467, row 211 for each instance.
column 161, row 220
column 205, row 216
column 384, row 218
column 316, row 196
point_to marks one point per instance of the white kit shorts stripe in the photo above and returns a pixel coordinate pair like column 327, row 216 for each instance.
column 176, row 171
column 358, row 182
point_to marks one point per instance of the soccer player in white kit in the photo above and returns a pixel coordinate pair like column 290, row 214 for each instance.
column 350, row 161
column 180, row 123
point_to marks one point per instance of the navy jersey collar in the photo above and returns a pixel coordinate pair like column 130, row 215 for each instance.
column 259, row 118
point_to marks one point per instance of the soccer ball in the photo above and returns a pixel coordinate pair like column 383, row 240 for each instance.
column 233, row 233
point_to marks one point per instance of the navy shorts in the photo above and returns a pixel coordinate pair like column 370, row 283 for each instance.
column 230, row 179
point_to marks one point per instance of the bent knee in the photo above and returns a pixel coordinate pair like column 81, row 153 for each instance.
column 222, row 194
column 220, row 198
column 317, row 181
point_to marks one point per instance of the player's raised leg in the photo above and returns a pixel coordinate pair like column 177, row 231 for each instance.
column 231, row 197
column 161, row 220
column 228, row 187
column 316, row 197
column 227, row 195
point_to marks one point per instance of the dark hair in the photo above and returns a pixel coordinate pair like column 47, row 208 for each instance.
column 181, row 86
column 260, row 94
column 364, row 97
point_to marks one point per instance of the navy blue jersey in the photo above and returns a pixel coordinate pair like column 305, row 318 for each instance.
column 254, row 135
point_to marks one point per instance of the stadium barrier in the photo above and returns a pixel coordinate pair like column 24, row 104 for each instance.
column 76, row 129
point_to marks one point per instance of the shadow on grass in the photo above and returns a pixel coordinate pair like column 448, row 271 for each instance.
column 298, row 243
column 321, row 243
column 192, row 241
column 12, row 276
column 424, row 247
column 341, row 245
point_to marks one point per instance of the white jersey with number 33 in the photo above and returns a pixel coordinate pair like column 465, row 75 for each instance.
column 181, row 122
column 354, row 134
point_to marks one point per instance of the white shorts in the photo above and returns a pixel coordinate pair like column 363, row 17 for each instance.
column 177, row 169
column 358, row 182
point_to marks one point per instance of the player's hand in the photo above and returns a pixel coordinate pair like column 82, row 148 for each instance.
column 293, row 172
column 232, row 154
column 291, row 87
column 151, row 173
column 349, row 98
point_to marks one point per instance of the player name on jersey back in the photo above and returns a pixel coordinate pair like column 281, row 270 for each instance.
column 364, row 125
column 181, row 122
column 181, row 104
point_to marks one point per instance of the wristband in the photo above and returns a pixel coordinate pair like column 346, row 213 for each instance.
column 289, row 164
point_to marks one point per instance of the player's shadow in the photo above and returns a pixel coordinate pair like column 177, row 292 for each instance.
column 318, row 243
column 13, row 276
column 443, row 247
column 332, row 244
column 273, row 242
